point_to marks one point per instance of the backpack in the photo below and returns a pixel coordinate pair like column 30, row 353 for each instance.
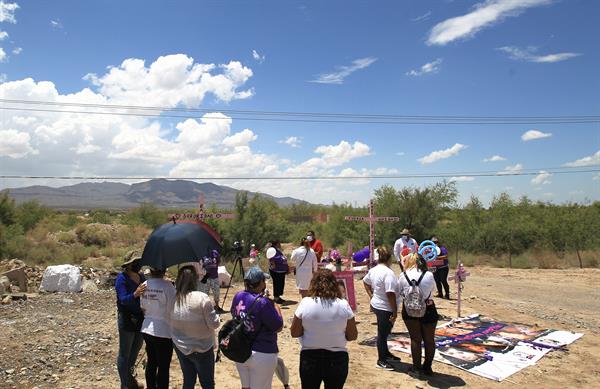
column 234, row 343
column 414, row 303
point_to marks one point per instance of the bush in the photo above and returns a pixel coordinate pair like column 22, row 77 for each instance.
column 66, row 237
column 93, row 234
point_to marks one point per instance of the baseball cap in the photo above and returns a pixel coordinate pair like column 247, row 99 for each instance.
column 254, row 275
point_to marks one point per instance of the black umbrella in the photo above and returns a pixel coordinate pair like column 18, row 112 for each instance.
column 175, row 243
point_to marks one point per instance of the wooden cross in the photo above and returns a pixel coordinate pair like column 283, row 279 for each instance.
column 459, row 277
column 201, row 215
column 372, row 219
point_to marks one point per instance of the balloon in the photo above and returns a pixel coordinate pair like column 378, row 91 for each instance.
column 361, row 255
column 428, row 250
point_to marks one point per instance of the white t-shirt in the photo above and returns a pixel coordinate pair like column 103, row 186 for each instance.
column 310, row 263
column 324, row 322
column 427, row 284
column 401, row 243
column 156, row 302
column 382, row 280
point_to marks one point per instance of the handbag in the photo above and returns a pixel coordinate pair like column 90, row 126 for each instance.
column 301, row 263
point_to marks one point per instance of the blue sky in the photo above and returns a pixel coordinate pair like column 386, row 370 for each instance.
column 470, row 58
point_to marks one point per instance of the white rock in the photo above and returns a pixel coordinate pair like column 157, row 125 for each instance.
column 61, row 278
column 88, row 286
column 224, row 276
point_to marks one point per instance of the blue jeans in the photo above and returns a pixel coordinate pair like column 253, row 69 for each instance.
column 130, row 343
column 201, row 365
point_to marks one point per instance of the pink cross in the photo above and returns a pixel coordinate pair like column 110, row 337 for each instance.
column 372, row 219
column 201, row 215
column 459, row 277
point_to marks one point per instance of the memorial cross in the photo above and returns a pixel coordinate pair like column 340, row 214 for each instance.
column 372, row 219
column 459, row 277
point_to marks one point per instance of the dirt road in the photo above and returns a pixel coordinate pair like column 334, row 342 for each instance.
column 70, row 341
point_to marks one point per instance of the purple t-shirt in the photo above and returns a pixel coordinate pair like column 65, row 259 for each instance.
column 262, row 323
column 211, row 265
column 443, row 252
column 278, row 263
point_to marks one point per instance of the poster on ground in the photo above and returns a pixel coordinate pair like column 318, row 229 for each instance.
column 490, row 349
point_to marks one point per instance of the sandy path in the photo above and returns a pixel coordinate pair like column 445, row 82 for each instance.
column 70, row 341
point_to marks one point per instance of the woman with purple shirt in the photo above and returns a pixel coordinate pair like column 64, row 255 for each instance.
column 210, row 281
column 441, row 272
column 278, row 268
column 262, row 324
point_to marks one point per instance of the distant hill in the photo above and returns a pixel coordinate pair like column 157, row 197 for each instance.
column 162, row 193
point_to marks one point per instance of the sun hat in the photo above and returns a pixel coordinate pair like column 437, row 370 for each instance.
column 405, row 232
column 131, row 257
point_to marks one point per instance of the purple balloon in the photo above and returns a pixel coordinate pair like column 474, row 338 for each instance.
column 361, row 255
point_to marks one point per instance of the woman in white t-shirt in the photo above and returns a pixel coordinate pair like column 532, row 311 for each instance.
column 324, row 322
column 156, row 302
column 305, row 260
column 420, row 329
column 382, row 287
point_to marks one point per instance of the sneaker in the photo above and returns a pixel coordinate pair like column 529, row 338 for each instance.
column 384, row 365
column 392, row 357
column 279, row 300
column 427, row 371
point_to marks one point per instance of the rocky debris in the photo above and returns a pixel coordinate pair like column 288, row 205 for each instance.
column 89, row 286
column 61, row 278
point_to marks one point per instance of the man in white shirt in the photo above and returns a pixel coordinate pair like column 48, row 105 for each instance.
column 405, row 241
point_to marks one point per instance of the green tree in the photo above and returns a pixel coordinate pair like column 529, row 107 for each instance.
column 30, row 213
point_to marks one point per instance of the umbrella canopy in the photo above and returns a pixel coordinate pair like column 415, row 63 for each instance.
column 175, row 243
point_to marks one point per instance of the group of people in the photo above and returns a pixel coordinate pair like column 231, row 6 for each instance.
column 181, row 317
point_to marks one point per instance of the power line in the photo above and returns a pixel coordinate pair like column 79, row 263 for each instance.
column 289, row 178
column 313, row 117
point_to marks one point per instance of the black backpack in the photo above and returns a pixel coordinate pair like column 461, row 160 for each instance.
column 234, row 342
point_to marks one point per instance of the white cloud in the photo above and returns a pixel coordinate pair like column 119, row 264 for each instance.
column 15, row 144
column 512, row 169
column 542, row 178
column 494, row 158
column 586, row 161
column 430, row 67
column 483, row 15
column 596, row 177
column 56, row 23
column 240, row 139
column 421, row 18
column 535, row 134
column 342, row 72
column 2, row 55
column 3, row 35
column 462, row 179
column 292, row 141
column 400, row 153
column 53, row 143
column 442, row 154
column 258, row 57
column 17, row 50
column 528, row 54
column 7, row 12
column 171, row 80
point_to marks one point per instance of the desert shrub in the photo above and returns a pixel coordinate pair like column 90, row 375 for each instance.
column 93, row 234
column 30, row 213
column 66, row 237
column 146, row 214
column 13, row 243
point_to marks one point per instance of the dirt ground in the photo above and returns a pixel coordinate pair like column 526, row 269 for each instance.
column 70, row 340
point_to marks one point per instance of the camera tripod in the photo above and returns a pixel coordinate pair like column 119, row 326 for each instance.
column 237, row 262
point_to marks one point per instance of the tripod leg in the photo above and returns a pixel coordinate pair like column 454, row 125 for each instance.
column 230, row 281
